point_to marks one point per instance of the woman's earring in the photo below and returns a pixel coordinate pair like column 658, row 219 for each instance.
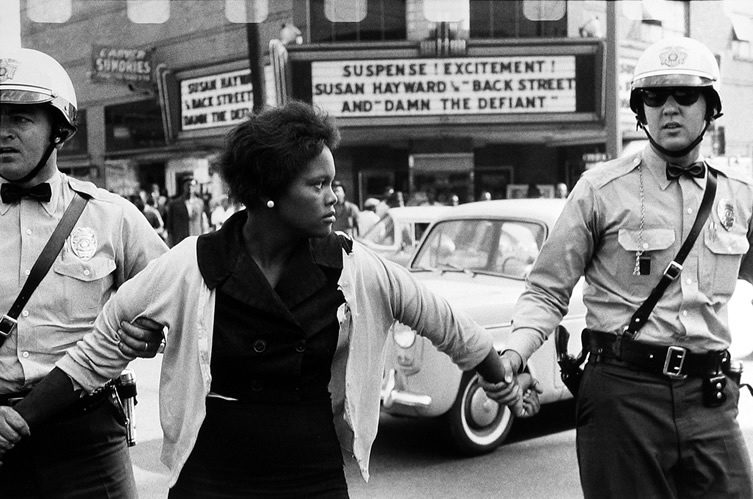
column 270, row 204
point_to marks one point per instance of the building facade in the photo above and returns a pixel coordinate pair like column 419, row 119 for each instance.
column 434, row 98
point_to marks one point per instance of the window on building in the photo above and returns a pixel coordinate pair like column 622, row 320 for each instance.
column 77, row 145
column 134, row 125
column 518, row 19
column 148, row 11
column 656, row 19
column 246, row 11
column 49, row 11
column 384, row 20
column 742, row 36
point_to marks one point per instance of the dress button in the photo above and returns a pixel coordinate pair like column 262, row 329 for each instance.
column 260, row 346
column 300, row 347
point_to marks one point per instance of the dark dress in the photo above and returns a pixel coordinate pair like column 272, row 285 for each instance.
column 272, row 351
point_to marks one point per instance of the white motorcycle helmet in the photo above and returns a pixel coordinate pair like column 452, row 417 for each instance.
column 28, row 76
column 676, row 62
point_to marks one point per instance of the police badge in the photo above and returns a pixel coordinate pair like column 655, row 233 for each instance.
column 83, row 242
column 725, row 210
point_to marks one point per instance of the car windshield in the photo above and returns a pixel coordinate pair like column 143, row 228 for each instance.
column 503, row 247
column 382, row 232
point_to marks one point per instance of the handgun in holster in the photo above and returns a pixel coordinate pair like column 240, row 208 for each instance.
column 570, row 369
column 122, row 391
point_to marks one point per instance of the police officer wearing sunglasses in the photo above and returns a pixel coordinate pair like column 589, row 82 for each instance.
column 656, row 411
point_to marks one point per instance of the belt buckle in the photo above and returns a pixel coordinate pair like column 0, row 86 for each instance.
column 7, row 325
column 674, row 361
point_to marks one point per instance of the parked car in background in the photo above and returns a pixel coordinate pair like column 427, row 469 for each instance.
column 398, row 232
column 477, row 256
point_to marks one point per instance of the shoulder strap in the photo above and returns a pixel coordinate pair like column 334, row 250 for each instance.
column 675, row 266
column 43, row 263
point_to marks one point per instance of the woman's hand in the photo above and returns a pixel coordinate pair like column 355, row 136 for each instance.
column 141, row 338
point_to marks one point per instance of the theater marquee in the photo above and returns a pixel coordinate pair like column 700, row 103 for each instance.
column 450, row 86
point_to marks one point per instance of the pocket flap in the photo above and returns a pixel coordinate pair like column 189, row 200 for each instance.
column 89, row 270
column 726, row 243
column 650, row 240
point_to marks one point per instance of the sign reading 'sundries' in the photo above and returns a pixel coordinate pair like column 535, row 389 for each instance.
column 484, row 85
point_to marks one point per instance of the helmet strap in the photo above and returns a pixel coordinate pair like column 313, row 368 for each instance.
column 54, row 140
column 679, row 153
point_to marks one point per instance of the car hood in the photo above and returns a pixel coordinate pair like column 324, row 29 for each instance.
column 489, row 300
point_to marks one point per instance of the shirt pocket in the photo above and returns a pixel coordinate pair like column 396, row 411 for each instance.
column 723, row 254
column 655, row 243
column 86, row 284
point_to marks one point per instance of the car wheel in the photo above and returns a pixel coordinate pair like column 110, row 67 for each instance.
column 476, row 423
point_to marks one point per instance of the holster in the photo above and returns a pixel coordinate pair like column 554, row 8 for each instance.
column 570, row 370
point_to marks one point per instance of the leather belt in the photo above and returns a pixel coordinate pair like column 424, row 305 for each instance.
column 84, row 404
column 673, row 361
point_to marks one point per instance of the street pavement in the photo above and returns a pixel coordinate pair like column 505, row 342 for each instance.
column 409, row 460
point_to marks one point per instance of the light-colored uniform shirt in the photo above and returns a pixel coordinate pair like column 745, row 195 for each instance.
column 110, row 243
column 172, row 292
column 598, row 234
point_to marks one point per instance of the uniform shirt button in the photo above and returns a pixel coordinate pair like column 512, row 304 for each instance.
column 690, row 210
column 25, row 355
column 25, row 313
column 87, row 272
column 645, row 245
column 300, row 347
column 685, row 313
column 260, row 346
column 27, row 271
column 28, row 232
column 689, row 280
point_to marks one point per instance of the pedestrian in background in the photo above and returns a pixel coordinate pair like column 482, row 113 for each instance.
column 656, row 409
column 185, row 213
column 346, row 213
column 272, row 366
column 368, row 217
column 83, row 451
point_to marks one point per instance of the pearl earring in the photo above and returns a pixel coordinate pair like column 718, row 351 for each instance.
column 270, row 204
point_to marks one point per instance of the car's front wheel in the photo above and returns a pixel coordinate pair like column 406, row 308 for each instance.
column 476, row 423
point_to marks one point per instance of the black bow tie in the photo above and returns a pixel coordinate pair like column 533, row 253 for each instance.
column 12, row 193
column 696, row 169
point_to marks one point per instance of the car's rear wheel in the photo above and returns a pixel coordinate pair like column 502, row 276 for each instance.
column 476, row 424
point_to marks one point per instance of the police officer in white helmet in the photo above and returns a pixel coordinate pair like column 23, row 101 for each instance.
column 656, row 409
column 47, row 307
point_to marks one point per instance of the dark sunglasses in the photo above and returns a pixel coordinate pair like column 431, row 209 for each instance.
column 684, row 96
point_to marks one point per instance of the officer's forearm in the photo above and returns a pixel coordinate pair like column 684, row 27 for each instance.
column 48, row 397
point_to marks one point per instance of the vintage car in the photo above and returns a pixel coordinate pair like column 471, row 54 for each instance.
column 477, row 256
column 396, row 235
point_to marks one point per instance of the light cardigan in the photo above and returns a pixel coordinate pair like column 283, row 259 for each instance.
column 172, row 292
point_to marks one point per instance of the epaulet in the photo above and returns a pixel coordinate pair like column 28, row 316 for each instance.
column 345, row 241
column 730, row 172
column 88, row 189
column 604, row 173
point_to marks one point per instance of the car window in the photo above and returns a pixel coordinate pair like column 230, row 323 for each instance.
column 504, row 247
column 382, row 232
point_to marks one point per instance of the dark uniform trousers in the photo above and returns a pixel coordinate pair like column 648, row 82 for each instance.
column 79, row 455
column 642, row 435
